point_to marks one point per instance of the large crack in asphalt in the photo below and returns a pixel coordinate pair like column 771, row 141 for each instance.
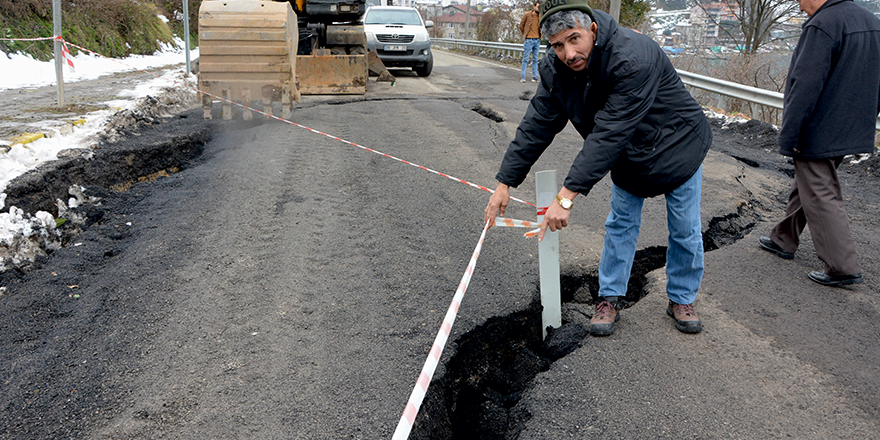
column 493, row 364
column 139, row 145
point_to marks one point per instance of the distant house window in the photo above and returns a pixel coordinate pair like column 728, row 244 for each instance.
column 451, row 25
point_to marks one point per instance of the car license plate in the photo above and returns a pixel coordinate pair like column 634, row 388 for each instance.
column 390, row 47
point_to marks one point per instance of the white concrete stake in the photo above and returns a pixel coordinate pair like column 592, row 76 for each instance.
column 548, row 256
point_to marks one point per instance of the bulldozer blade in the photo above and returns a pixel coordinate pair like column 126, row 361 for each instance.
column 331, row 74
column 377, row 67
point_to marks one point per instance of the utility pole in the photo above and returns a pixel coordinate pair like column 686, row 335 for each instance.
column 614, row 10
column 186, row 34
column 59, row 63
column 467, row 22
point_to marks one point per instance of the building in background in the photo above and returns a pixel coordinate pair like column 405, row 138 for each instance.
column 713, row 23
column 450, row 22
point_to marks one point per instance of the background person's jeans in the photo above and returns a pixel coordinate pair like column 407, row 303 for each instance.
column 530, row 47
column 684, row 256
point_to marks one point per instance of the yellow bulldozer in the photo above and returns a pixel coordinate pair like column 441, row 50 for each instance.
column 271, row 51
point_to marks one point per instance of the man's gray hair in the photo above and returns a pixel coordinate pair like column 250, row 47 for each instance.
column 565, row 20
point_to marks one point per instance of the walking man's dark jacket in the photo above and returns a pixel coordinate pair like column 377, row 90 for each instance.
column 827, row 113
column 636, row 117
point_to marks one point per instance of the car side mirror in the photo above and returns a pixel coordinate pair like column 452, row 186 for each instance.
column 429, row 24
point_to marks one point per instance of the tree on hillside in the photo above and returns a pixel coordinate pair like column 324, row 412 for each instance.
column 431, row 12
column 671, row 5
column 494, row 25
column 501, row 23
column 633, row 13
column 749, row 23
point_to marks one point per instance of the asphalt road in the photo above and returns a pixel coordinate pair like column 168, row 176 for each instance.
column 287, row 285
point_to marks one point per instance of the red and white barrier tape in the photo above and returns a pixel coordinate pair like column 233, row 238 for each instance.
column 500, row 221
column 29, row 39
column 396, row 158
column 418, row 393
column 404, row 426
column 268, row 115
column 65, row 54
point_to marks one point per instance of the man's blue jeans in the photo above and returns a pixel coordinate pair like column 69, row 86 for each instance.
column 530, row 47
column 684, row 256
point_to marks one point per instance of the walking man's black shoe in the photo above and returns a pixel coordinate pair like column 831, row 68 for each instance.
column 835, row 280
column 771, row 246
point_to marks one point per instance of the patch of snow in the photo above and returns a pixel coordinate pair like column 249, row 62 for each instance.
column 23, row 71
column 728, row 119
column 25, row 237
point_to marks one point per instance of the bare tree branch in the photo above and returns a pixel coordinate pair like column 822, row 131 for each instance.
column 753, row 20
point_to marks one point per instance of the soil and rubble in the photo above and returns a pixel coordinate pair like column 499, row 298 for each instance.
column 49, row 205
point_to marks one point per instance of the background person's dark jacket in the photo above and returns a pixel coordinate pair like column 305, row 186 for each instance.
column 636, row 117
column 832, row 93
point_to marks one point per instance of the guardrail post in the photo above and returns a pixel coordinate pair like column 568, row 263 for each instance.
column 548, row 256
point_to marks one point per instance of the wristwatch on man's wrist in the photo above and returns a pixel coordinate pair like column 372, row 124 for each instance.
column 564, row 203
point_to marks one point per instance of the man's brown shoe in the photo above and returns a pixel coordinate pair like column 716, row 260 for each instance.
column 686, row 319
column 602, row 323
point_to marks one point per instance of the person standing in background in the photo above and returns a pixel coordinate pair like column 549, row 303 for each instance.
column 832, row 98
column 532, row 33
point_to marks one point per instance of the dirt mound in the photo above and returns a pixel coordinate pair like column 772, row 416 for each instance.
column 759, row 135
column 865, row 167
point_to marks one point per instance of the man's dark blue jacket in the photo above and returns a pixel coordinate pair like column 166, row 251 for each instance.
column 636, row 117
column 832, row 93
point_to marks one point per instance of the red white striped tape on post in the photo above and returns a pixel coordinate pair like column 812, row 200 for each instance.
column 65, row 54
column 509, row 222
column 542, row 211
column 418, row 393
column 512, row 223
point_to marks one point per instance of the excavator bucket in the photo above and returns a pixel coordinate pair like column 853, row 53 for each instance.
column 339, row 68
column 325, row 74
column 247, row 52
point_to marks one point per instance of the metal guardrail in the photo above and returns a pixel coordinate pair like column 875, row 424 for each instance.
column 497, row 47
column 734, row 90
column 714, row 85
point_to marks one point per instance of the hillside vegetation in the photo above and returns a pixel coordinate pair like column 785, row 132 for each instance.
column 115, row 28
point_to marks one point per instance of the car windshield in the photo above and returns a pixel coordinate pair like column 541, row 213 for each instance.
column 379, row 16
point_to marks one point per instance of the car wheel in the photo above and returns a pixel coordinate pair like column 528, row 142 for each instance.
column 425, row 69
